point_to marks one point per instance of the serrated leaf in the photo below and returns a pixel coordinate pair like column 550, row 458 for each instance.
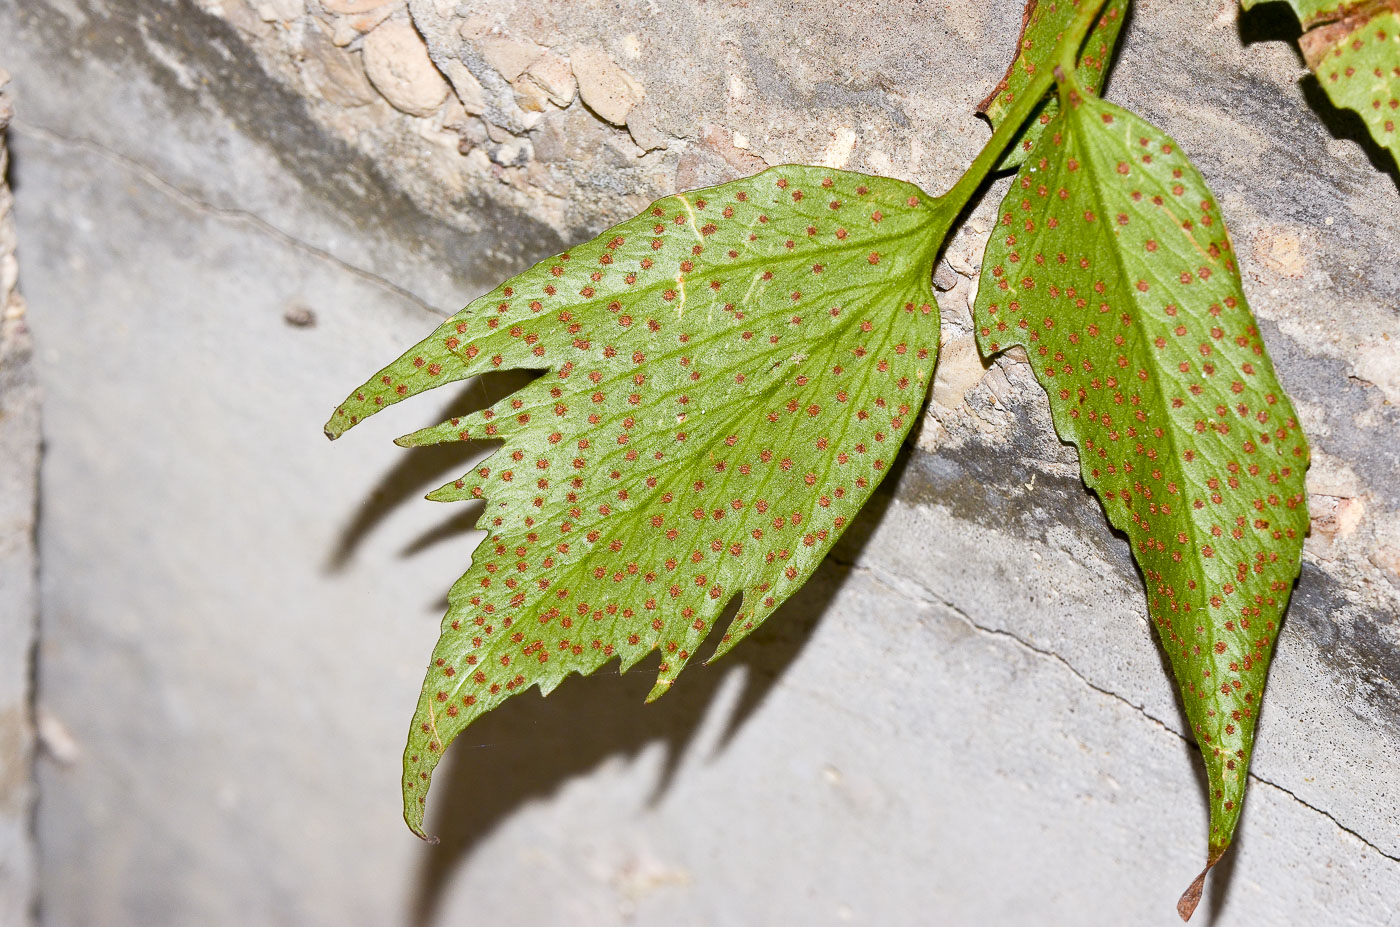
column 728, row 377
column 1112, row 266
column 1043, row 24
column 1354, row 49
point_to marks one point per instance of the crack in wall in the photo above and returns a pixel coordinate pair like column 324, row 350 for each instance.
column 918, row 593
column 240, row 216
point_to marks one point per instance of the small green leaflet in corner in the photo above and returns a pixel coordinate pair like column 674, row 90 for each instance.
column 1354, row 49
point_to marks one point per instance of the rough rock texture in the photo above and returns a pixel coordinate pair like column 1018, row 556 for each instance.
column 398, row 65
column 964, row 719
column 19, row 604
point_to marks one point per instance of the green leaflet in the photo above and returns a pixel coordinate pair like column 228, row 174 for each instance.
column 1112, row 266
column 1354, row 49
column 1043, row 24
column 728, row 377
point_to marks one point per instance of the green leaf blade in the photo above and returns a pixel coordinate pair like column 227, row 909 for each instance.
column 1111, row 265
column 1043, row 24
column 727, row 378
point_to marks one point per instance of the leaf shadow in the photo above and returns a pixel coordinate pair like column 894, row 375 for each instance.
column 1223, row 877
column 531, row 747
column 1129, row 21
column 1276, row 22
column 1269, row 22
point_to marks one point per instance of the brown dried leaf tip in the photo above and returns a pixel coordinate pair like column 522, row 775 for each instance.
column 1186, row 905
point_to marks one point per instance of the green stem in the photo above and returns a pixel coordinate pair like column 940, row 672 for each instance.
column 1071, row 40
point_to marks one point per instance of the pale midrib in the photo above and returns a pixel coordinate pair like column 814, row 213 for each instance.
column 1139, row 349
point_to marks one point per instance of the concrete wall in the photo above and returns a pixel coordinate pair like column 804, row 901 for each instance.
column 19, row 602
column 232, row 211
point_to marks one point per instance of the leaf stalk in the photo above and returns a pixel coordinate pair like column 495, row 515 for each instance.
column 1067, row 54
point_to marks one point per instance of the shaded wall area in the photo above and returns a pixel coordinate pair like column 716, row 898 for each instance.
column 19, row 602
column 231, row 211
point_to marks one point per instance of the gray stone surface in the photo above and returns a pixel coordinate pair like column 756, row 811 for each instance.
column 19, row 603
column 963, row 719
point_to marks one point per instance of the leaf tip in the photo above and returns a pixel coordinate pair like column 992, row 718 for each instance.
column 443, row 494
column 413, row 817
column 1186, row 904
column 433, row 434
column 661, row 688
